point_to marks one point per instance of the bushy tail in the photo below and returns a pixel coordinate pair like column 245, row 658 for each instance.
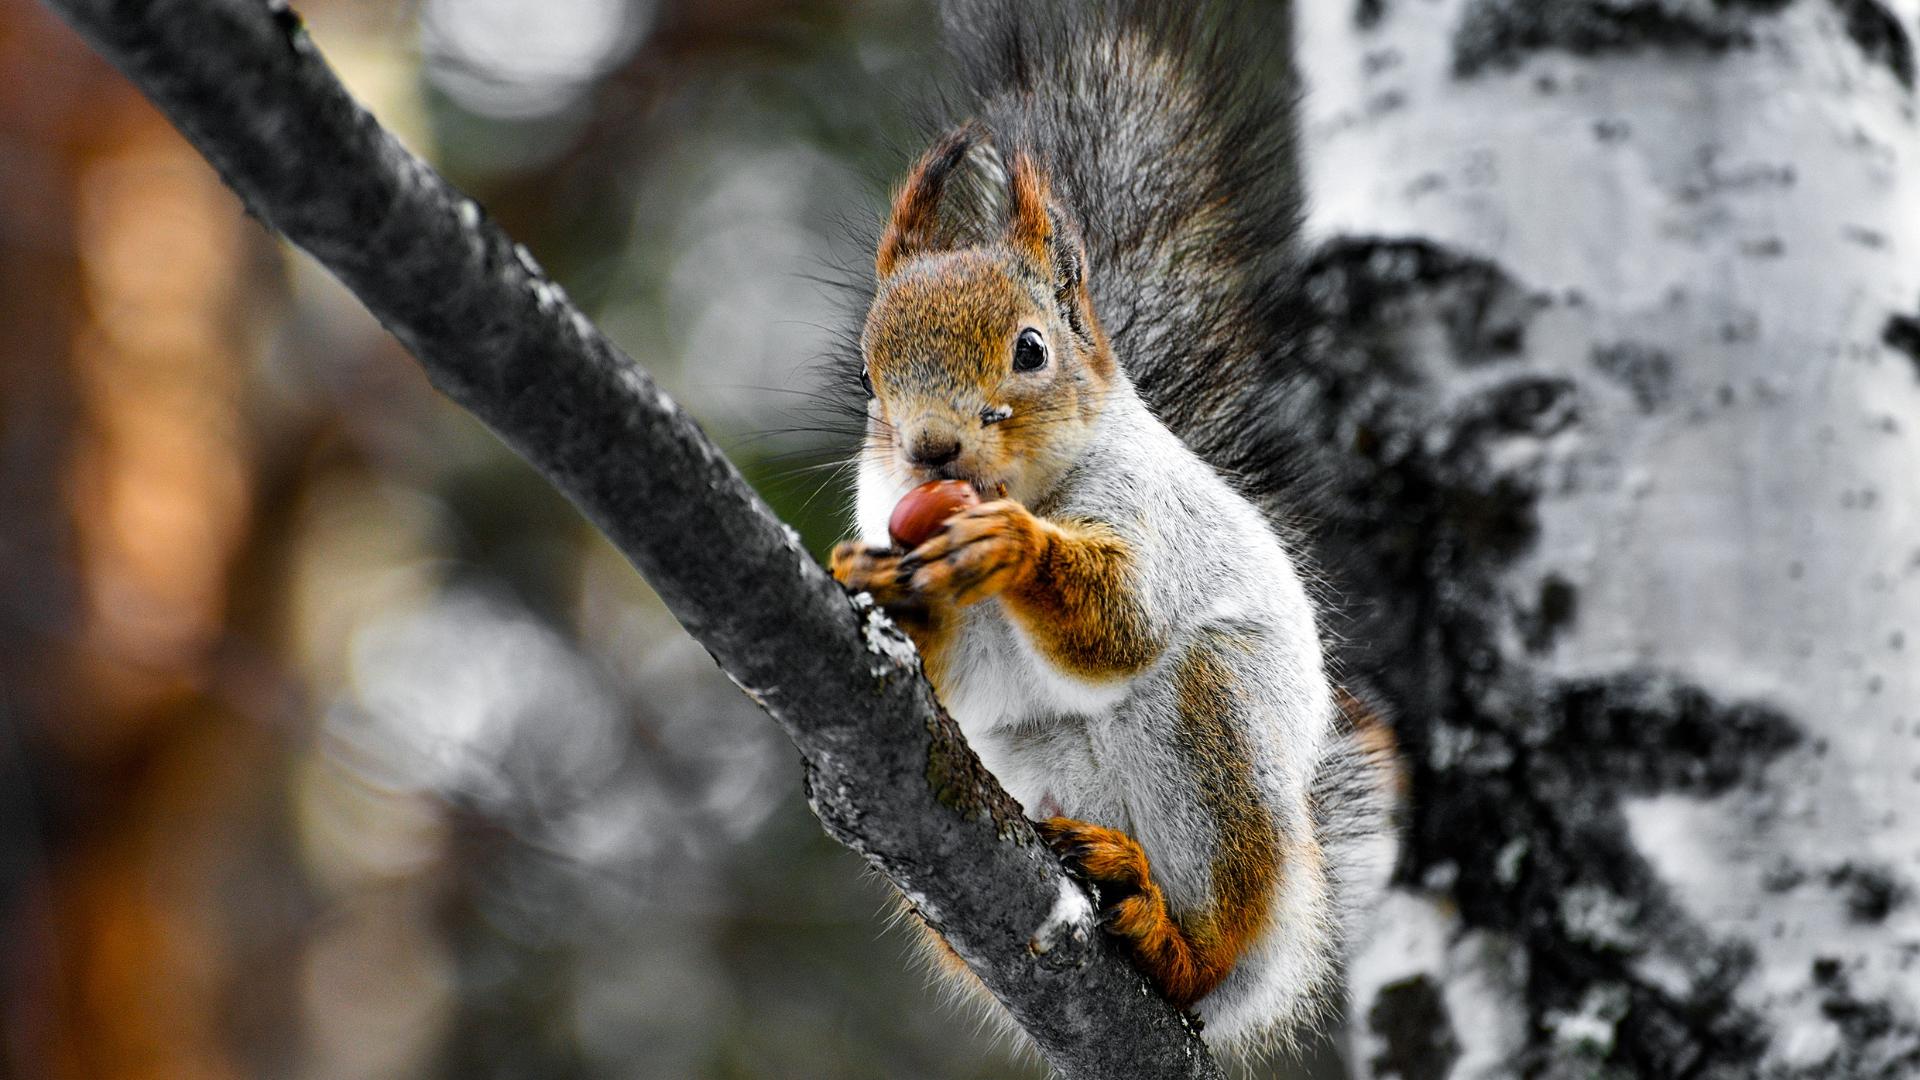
column 1358, row 789
column 1168, row 131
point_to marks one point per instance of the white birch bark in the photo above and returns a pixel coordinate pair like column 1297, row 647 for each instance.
column 1689, row 744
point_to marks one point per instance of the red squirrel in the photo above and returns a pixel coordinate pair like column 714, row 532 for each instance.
column 1121, row 633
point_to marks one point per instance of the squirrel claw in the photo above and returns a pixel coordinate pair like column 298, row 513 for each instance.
column 981, row 552
column 1133, row 910
column 874, row 571
column 1108, row 858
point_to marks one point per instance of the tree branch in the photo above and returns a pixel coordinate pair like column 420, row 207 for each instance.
column 886, row 769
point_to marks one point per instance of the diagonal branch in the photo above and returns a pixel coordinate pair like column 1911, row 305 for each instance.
column 886, row 769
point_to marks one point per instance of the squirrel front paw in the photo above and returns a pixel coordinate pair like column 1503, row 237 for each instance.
column 875, row 571
column 981, row 552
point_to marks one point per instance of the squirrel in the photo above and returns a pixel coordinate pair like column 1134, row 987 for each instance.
column 1120, row 629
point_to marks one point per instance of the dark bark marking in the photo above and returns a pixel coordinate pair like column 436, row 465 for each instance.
column 1611, row 130
column 1536, row 405
column 1902, row 332
column 1783, row 876
column 1645, row 371
column 1651, row 733
column 1876, row 1041
column 1411, row 1017
column 1872, row 239
column 1880, row 36
column 1382, row 284
column 1870, row 892
column 1551, row 614
column 1516, row 774
column 1379, row 61
column 1502, row 33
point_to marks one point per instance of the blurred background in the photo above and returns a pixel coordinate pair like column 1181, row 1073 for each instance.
column 333, row 744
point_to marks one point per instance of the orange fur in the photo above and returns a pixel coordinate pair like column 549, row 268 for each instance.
column 934, row 945
column 1066, row 584
column 1078, row 605
column 1246, row 868
column 1375, row 738
column 879, row 572
column 938, row 345
column 940, row 335
column 1030, row 224
column 914, row 224
column 1184, row 966
column 1187, row 953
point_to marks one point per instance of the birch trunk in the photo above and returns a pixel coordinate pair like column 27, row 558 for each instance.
column 1624, row 386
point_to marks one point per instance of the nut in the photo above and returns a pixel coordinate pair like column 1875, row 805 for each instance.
column 922, row 511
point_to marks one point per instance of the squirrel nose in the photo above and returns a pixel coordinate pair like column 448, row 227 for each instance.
column 931, row 451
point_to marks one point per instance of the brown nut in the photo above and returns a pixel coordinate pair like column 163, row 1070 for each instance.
column 922, row 511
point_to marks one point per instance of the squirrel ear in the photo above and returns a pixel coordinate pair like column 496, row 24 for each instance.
column 1037, row 229
column 1048, row 239
column 1029, row 217
column 913, row 226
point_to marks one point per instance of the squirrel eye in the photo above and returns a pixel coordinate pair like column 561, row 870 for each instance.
column 1029, row 351
column 866, row 383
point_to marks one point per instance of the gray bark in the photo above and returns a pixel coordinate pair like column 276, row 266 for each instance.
column 1622, row 401
column 886, row 769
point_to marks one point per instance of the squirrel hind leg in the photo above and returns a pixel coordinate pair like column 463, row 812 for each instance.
column 1185, row 965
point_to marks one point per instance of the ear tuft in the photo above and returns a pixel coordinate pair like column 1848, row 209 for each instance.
column 1047, row 238
column 914, row 226
column 1030, row 214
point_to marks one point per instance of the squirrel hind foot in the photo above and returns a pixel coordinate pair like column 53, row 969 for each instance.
column 1134, row 909
column 1108, row 858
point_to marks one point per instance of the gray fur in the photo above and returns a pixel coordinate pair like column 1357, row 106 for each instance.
column 1207, row 562
column 1167, row 132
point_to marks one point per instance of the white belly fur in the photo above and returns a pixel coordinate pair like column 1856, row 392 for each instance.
column 1023, row 717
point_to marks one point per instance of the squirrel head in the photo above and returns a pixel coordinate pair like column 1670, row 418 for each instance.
column 982, row 362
